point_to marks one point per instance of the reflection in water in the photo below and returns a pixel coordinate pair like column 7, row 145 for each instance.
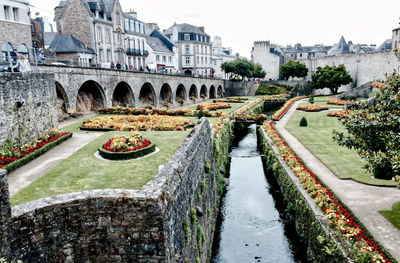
column 251, row 228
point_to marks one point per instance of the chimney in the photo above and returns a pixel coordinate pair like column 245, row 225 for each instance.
column 202, row 29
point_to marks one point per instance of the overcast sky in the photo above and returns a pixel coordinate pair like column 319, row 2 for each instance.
column 283, row 22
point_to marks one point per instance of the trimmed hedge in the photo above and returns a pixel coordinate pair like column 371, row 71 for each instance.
column 26, row 159
column 127, row 155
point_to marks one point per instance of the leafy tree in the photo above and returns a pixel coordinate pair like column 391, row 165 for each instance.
column 293, row 69
column 330, row 77
column 374, row 131
column 258, row 72
column 242, row 68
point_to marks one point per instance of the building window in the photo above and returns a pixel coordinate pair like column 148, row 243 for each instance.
column 301, row 55
column 164, row 59
column 206, row 61
column 187, row 49
column 7, row 12
column 15, row 14
column 158, row 58
column 119, row 37
column 126, row 24
column 215, row 62
column 100, row 34
column 33, row 29
column 198, row 60
column 137, row 27
column 108, row 55
column 187, row 61
column 186, row 37
column 118, row 18
column 101, row 55
column 202, row 60
column 170, row 59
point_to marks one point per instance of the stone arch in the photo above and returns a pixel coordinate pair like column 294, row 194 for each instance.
column 180, row 93
column 220, row 92
column 62, row 99
column 90, row 97
column 212, row 92
column 123, row 96
column 147, row 95
column 193, row 91
column 203, row 91
column 165, row 94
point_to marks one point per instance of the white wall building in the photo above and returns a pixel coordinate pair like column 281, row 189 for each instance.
column 263, row 53
column 193, row 49
column 15, row 28
column 220, row 55
column 136, row 47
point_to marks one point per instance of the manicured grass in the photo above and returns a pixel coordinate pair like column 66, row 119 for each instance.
column 394, row 215
column 83, row 171
column 317, row 138
column 323, row 101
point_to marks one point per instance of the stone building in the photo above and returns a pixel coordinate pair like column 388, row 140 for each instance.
column 396, row 38
column 220, row 55
column 268, row 56
column 71, row 51
column 15, row 29
column 161, row 53
column 193, row 49
column 135, row 42
column 37, row 34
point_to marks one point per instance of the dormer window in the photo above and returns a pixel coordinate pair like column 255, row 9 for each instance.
column 186, row 37
column 118, row 18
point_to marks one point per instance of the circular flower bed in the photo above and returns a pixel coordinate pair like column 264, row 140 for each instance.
column 312, row 108
column 121, row 147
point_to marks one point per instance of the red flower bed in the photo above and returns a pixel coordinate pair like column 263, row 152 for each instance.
column 19, row 153
column 282, row 111
column 339, row 218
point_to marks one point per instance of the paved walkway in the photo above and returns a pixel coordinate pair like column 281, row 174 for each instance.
column 365, row 201
column 25, row 175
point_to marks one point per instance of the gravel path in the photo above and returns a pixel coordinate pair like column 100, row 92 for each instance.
column 365, row 201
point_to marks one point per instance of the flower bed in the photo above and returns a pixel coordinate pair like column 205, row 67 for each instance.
column 152, row 111
column 279, row 114
column 377, row 84
column 213, row 106
column 339, row 102
column 312, row 108
column 247, row 107
column 339, row 114
column 339, row 218
column 122, row 147
column 18, row 157
column 258, row 118
column 135, row 123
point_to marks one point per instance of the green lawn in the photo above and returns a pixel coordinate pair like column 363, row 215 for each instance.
column 323, row 101
column 394, row 215
column 83, row 171
column 317, row 138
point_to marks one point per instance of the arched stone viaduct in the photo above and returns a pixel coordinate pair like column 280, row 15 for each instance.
column 135, row 89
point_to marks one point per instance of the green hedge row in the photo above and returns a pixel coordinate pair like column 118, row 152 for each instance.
column 127, row 155
column 26, row 159
column 321, row 247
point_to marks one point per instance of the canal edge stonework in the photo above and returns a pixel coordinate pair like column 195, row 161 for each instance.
column 123, row 225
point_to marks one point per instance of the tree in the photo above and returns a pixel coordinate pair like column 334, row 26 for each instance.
column 374, row 131
column 258, row 72
column 293, row 69
column 330, row 77
column 242, row 68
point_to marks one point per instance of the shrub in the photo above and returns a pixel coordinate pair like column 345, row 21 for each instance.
column 311, row 100
column 272, row 89
column 200, row 114
column 303, row 122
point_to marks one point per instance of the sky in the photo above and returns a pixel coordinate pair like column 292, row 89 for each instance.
column 282, row 22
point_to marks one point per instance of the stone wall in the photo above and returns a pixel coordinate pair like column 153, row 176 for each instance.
column 15, row 33
column 238, row 88
column 28, row 106
column 71, row 79
column 171, row 219
column 363, row 68
column 5, row 215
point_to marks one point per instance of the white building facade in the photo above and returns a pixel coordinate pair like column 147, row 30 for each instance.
column 193, row 49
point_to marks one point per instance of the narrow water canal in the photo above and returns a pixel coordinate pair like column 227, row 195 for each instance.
column 252, row 229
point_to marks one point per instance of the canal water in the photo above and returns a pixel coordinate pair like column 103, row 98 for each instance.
column 251, row 227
